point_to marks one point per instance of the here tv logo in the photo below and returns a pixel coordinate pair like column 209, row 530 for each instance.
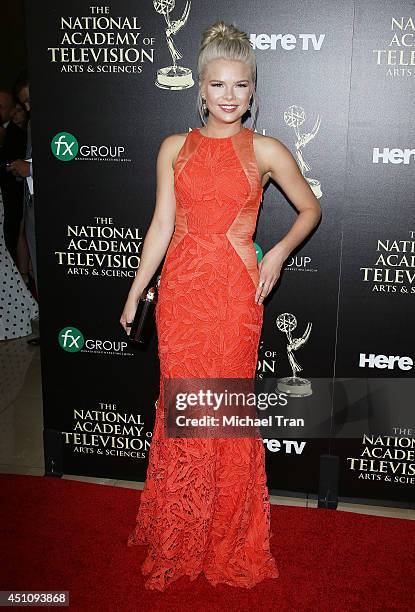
column 382, row 362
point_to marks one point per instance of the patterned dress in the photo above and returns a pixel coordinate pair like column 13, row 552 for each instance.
column 205, row 503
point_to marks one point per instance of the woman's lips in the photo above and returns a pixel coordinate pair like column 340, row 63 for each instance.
column 228, row 108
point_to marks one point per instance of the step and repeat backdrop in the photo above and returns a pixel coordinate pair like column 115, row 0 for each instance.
column 108, row 82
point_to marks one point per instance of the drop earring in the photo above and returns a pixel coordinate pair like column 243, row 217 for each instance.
column 204, row 106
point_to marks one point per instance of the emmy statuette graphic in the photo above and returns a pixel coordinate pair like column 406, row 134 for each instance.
column 294, row 116
column 173, row 77
column 294, row 386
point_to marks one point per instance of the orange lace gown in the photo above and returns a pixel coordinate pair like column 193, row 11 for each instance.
column 205, row 503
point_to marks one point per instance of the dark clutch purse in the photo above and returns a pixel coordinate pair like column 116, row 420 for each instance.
column 142, row 326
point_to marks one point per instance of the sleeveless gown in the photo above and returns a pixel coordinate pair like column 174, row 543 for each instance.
column 205, row 503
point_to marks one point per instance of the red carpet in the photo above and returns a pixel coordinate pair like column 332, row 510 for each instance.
column 69, row 535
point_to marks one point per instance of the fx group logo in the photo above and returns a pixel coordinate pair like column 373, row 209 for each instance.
column 72, row 340
column 64, row 146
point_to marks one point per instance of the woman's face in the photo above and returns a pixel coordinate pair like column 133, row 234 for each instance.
column 227, row 88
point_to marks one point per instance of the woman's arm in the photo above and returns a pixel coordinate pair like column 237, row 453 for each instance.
column 278, row 161
column 161, row 228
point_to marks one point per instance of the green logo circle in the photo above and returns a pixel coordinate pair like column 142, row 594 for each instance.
column 71, row 339
column 258, row 252
column 64, row 146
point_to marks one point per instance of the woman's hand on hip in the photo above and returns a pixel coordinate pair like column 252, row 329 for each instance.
column 269, row 272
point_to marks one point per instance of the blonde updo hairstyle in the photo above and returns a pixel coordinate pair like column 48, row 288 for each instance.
column 226, row 41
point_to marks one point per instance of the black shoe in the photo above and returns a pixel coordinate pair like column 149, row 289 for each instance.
column 34, row 341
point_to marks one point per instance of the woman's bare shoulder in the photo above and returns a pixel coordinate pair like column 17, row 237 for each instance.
column 171, row 145
column 263, row 141
column 173, row 141
column 266, row 146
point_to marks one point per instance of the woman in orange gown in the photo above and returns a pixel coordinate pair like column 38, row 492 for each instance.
column 205, row 503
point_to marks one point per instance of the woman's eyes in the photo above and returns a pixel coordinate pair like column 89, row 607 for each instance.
column 219, row 84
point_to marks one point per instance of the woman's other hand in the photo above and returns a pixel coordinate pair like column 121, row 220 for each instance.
column 128, row 314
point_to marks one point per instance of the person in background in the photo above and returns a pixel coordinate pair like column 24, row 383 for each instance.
column 20, row 117
column 24, row 169
column 6, row 106
column 18, row 306
column 13, row 147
